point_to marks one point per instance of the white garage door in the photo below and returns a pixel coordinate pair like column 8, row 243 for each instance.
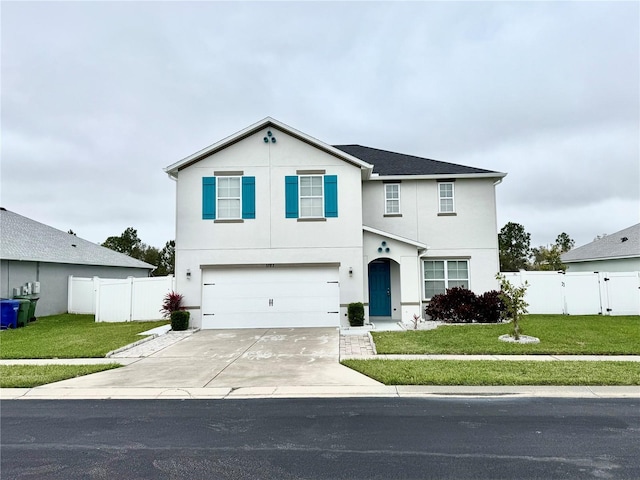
column 260, row 297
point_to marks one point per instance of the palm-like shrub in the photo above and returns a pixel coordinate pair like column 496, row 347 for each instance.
column 172, row 302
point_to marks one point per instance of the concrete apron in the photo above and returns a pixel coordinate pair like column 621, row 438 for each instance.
column 235, row 359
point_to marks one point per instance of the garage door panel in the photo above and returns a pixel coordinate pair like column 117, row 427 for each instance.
column 269, row 320
column 270, row 297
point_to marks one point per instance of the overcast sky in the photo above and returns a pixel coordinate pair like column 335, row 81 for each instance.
column 97, row 98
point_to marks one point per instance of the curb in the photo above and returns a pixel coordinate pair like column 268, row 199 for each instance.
column 148, row 339
column 325, row 391
column 373, row 344
column 131, row 345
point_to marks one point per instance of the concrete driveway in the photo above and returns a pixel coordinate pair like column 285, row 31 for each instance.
column 234, row 359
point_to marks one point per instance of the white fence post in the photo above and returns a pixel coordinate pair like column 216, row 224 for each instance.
column 70, row 306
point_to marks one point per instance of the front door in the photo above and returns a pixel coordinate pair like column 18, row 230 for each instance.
column 379, row 288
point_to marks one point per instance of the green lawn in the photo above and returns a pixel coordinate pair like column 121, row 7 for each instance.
column 70, row 336
column 497, row 372
column 27, row 376
column 558, row 334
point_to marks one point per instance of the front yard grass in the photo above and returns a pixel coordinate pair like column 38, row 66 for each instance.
column 558, row 334
column 70, row 336
column 27, row 376
column 497, row 372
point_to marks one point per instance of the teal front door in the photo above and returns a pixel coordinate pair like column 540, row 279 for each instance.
column 379, row 289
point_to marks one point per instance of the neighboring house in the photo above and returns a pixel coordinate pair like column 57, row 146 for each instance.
column 33, row 252
column 278, row 229
column 618, row 252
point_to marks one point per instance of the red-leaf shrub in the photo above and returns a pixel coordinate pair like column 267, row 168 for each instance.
column 489, row 307
column 460, row 305
column 172, row 302
column 455, row 306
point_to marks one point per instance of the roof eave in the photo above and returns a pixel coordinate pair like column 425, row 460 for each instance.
column 442, row 176
column 392, row 236
column 146, row 266
column 600, row 259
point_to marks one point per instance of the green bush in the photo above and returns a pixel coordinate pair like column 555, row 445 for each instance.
column 355, row 312
column 179, row 320
column 460, row 305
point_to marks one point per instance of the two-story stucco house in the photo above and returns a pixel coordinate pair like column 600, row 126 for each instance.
column 275, row 228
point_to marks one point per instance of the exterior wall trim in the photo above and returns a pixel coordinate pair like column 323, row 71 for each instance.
column 269, row 265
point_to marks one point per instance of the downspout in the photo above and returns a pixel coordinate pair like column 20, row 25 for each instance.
column 495, row 203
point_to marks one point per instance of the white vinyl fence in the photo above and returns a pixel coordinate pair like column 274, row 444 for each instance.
column 119, row 299
column 580, row 293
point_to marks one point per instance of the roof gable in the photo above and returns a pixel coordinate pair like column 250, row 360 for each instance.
column 387, row 163
column 267, row 122
column 27, row 240
column 611, row 246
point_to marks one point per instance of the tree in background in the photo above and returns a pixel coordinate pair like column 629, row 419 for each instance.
column 167, row 259
column 548, row 258
column 515, row 247
column 565, row 242
column 129, row 244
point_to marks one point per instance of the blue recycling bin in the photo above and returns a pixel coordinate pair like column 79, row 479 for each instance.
column 9, row 313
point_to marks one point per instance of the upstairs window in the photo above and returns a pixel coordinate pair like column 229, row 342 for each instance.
column 313, row 197
column 228, row 197
column 392, row 198
column 446, row 197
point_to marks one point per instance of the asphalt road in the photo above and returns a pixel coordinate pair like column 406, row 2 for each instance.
column 370, row 438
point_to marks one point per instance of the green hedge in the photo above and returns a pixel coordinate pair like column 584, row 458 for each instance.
column 179, row 320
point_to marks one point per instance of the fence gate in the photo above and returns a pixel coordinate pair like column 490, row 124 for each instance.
column 619, row 288
column 119, row 299
column 580, row 293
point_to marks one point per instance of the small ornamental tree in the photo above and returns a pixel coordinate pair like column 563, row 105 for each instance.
column 513, row 299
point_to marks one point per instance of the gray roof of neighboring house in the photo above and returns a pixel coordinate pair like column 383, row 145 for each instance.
column 608, row 247
column 391, row 163
column 24, row 239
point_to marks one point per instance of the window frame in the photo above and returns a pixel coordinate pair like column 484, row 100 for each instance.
column 387, row 199
column 301, row 197
column 446, row 278
column 219, row 197
column 452, row 198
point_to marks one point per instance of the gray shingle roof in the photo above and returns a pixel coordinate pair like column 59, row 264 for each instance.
column 611, row 246
column 24, row 239
column 391, row 163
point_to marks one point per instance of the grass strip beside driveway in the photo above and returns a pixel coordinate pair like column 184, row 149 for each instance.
column 27, row 376
column 70, row 336
column 493, row 372
column 558, row 334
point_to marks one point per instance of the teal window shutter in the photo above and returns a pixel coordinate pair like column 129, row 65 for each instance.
column 248, row 197
column 330, row 196
column 208, row 198
column 291, row 196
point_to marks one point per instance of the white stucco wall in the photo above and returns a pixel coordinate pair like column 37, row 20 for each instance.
column 270, row 237
column 470, row 234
